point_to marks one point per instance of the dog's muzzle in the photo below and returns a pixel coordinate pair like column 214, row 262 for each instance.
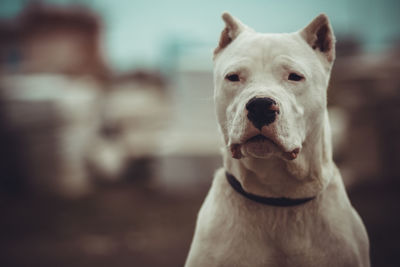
column 262, row 139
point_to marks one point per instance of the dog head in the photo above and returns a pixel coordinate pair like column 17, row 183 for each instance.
column 270, row 89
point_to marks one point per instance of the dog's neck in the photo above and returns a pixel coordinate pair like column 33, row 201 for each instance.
column 306, row 176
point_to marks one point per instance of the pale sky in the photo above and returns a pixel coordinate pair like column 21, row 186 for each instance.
column 140, row 33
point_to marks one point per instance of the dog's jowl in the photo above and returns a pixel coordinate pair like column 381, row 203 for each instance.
column 279, row 199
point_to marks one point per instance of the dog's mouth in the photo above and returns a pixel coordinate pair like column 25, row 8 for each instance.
column 258, row 139
column 260, row 146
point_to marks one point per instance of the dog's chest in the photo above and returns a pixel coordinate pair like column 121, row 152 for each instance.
column 279, row 247
column 279, row 237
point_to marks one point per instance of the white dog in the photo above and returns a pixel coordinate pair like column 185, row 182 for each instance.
column 280, row 199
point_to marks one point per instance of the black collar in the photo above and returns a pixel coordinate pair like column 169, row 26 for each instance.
column 280, row 202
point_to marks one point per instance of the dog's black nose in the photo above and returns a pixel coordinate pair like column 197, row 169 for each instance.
column 261, row 111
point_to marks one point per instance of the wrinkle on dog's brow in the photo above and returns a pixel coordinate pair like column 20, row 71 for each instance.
column 289, row 62
column 239, row 62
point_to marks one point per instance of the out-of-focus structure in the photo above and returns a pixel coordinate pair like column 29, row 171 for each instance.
column 135, row 115
column 65, row 118
column 365, row 89
column 50, row 39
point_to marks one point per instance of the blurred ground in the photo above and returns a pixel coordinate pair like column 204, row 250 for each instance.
column 129, row 224
column 135, row 224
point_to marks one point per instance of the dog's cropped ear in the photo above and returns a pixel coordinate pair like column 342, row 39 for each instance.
column 233, row 27
column 319, row 35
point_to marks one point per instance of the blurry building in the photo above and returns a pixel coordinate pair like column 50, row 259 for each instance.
column 134, row 116
column 47, row 125
column 365, row 87
column 64, row 118
column 52, row 39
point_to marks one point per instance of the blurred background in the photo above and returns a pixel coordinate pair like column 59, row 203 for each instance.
column 107, row 131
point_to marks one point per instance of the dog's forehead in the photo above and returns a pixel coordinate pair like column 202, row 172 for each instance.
column 268, row 44
column 264, row 48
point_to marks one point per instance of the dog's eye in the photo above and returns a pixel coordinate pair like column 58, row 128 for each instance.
column 295, row 77
column 232, row 77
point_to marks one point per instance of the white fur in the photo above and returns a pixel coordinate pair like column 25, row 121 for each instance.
column 234, row 231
